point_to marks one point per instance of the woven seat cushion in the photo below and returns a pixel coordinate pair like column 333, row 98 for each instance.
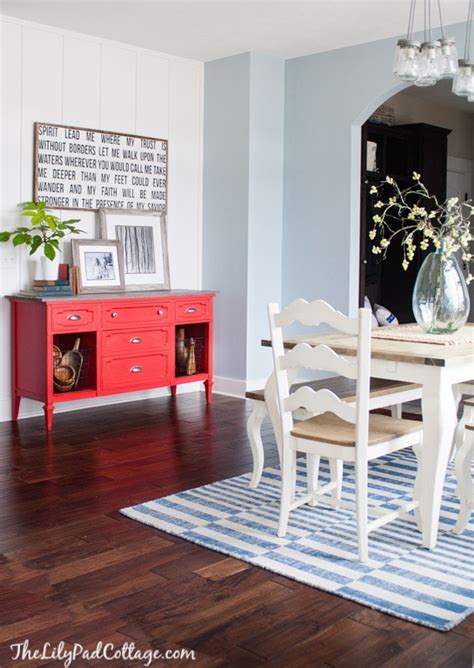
column 328, row 428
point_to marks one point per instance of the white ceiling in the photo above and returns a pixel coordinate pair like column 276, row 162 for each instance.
column 209, row 30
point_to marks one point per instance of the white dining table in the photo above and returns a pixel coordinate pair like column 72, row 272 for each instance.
column 439, row 369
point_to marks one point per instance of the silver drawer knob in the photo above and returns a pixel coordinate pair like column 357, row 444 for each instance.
column 160, row 311
column 191, row 309
column 74, row 316
column 135, row 339
column 114, row 314
column 135, row 369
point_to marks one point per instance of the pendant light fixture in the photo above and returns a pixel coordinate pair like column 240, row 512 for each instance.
column 449, row 53
column 429, row 69
column 434, row 59
column 407, row 53
column 463, row 84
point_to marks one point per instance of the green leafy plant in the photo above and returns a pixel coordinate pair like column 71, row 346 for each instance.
column 45, row 232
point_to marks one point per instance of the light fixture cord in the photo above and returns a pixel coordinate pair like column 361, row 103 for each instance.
column 411, row 20
column 440, row 19
column 429, row 22
column 424, row 20
column 467, row 45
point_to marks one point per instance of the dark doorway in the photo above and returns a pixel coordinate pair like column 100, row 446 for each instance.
column 396, row 151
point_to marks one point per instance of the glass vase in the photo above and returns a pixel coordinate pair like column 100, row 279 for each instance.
column 440, row 297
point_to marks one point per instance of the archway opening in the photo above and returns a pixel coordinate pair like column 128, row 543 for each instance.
column 430, row 131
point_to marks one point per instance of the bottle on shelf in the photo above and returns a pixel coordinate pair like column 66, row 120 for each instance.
column 191, row 362
column 181, row 350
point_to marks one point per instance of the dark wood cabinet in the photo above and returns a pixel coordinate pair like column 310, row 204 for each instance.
column 400, row 150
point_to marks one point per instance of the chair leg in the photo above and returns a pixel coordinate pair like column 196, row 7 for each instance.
column 336, row 468
column 254, row 425
column 287, row 486
column 361, row 479
column 416, row 487
column 312, row 472
column 458, row 437
column 463, row 476
column 396, row 411
column 467, row 416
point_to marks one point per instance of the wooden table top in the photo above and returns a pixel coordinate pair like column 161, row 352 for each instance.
column 398, row 351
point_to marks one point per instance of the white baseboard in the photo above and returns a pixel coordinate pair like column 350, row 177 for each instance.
column 230, row 387
column 29, row 408
column 259, row 384
column 234, row 387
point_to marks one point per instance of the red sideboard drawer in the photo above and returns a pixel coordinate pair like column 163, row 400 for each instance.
column 74, row 317
column 136, row 341
column 198, row 309
column 118, row 317
column 136, row 372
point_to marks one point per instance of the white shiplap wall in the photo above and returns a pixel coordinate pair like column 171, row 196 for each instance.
column 56, row 76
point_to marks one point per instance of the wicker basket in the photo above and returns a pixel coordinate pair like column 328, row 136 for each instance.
column 181, row 360
column 64, row 378
column 57, row 356
column 74, row 359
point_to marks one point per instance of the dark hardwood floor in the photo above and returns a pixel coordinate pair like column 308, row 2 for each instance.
column 73, row 569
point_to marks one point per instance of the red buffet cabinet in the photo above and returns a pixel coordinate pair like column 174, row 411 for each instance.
column 127, row 341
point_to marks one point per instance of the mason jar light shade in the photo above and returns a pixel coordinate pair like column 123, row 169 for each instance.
column 405, row 65
column 429, row 70
column 463, row 83
column 398, row 56
column 449, row 57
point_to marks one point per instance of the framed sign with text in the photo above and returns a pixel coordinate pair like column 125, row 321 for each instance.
column 81, row 168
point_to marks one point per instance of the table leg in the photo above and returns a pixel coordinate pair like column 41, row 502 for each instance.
column 271, row 401
column 254, row 426
column 439, row 421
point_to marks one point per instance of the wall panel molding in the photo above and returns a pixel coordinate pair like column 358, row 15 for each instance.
column 60, row 76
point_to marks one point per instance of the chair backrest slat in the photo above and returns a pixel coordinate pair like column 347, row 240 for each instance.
column 320, row 401
column 316, row 313
column 321, row 358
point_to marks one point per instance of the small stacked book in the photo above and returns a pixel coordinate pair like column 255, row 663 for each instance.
column 64, row 286
column 51, row 288
column 58, row 288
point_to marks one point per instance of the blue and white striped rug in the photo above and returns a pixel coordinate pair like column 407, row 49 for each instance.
column 429, row 587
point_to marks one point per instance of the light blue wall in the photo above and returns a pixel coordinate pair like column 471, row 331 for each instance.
column 225, row 207
column 248, row 253
column 243, row 206
column 327, row 98
column 264, row 280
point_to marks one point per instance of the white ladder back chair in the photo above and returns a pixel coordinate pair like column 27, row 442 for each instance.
column 337, row 424
column 465, row 485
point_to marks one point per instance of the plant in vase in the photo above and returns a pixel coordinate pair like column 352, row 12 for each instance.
column 413, row 217
column 45, row 233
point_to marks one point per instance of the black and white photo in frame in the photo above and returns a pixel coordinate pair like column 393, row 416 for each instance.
column 145, row 248
column 100, row 265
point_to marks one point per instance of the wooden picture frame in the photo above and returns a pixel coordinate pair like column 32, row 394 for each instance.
column 61, row 186
column 145, row 246
column 100, row 265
